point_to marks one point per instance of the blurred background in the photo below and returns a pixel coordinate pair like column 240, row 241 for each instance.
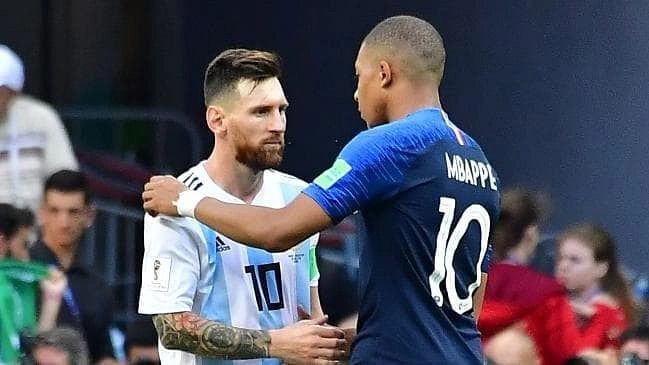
column 556, row 93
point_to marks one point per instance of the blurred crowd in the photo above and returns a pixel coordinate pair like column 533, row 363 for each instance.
column 55, row 307
column 585, row 311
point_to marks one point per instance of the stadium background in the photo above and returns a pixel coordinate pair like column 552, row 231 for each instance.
column 556, row 92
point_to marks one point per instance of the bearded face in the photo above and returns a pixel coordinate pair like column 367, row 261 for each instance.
column 256, row 123
column 260, row 154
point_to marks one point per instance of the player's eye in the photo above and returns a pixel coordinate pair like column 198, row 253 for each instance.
column 260, row 112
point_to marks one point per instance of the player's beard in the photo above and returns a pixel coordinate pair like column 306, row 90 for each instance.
column 261, row 157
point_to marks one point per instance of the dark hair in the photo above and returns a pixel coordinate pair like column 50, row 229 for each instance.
column 519, row 209
column 68, row 181
column 639, row 333
column 233, row 65
column 24, row 217
column 8, row 220
column 415, row 41
column 66, row 339
column 603, row 246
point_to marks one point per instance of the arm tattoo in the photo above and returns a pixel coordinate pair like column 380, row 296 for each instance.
column 188, row 332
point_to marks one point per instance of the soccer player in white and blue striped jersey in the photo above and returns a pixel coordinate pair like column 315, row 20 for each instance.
column 217, row 301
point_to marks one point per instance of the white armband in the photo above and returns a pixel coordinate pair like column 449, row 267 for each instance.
column 187, row 202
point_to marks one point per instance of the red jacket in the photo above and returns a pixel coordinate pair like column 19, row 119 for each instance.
column 518, row 293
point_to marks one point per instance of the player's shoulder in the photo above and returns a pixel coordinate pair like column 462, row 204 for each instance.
column 285, row 179
column 177, row 223
column 172, row 234
column 418, row 129
column 195, row 178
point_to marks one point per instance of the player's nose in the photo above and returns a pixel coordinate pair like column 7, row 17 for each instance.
column 278, row 122
column 356, row 95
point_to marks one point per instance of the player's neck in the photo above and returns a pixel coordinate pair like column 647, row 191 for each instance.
column 408, row 98
column 235, row 178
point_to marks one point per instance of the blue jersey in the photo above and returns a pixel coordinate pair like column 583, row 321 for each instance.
column 429, row 197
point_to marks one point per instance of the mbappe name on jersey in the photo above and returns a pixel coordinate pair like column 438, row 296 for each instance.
column 469, row 171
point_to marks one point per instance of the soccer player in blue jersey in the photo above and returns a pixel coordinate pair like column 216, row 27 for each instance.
column 427, row 193
column 213, row 299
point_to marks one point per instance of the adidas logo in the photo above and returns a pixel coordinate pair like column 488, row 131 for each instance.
column 220, row 245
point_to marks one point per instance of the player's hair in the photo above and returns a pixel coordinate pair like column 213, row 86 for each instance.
column 519, row 209
column 233, row 65
column 603, row 247
column 8, row 220
column 415, row 42
column 68, row 181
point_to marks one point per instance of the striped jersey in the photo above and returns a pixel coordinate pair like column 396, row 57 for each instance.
column 188, row 266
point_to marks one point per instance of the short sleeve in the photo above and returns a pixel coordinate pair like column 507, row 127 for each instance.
column 370, row 168
column 171, row 265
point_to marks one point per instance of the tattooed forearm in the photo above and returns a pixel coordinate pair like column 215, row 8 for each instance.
column 188, row 332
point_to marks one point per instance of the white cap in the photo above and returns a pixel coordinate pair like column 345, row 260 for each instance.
column 12, row 72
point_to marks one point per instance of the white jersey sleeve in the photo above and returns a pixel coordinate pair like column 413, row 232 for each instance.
column 171, row 268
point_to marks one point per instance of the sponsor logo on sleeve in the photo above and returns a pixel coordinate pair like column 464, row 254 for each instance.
column 336, row 172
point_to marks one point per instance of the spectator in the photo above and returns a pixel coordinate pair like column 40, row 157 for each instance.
column 19, row 244
column 509, row 295
column 19, row 286
column 517, row 293
column 33, row 141
column 59, row 346
column 516, row 234
column 65, row 213
column 9, row 331
column 600, row 296
column 8, row 227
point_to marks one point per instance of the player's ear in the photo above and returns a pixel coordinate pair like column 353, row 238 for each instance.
column 214, row 116
column 385, row 73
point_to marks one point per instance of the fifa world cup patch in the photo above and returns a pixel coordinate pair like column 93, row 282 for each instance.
column 339, row 169
column 156, row 273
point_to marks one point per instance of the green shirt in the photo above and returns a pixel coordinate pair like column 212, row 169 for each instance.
column 19, row 287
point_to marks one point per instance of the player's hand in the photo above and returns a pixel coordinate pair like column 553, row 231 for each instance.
column 308, row 342
column 160, row 193
column 350, row 333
